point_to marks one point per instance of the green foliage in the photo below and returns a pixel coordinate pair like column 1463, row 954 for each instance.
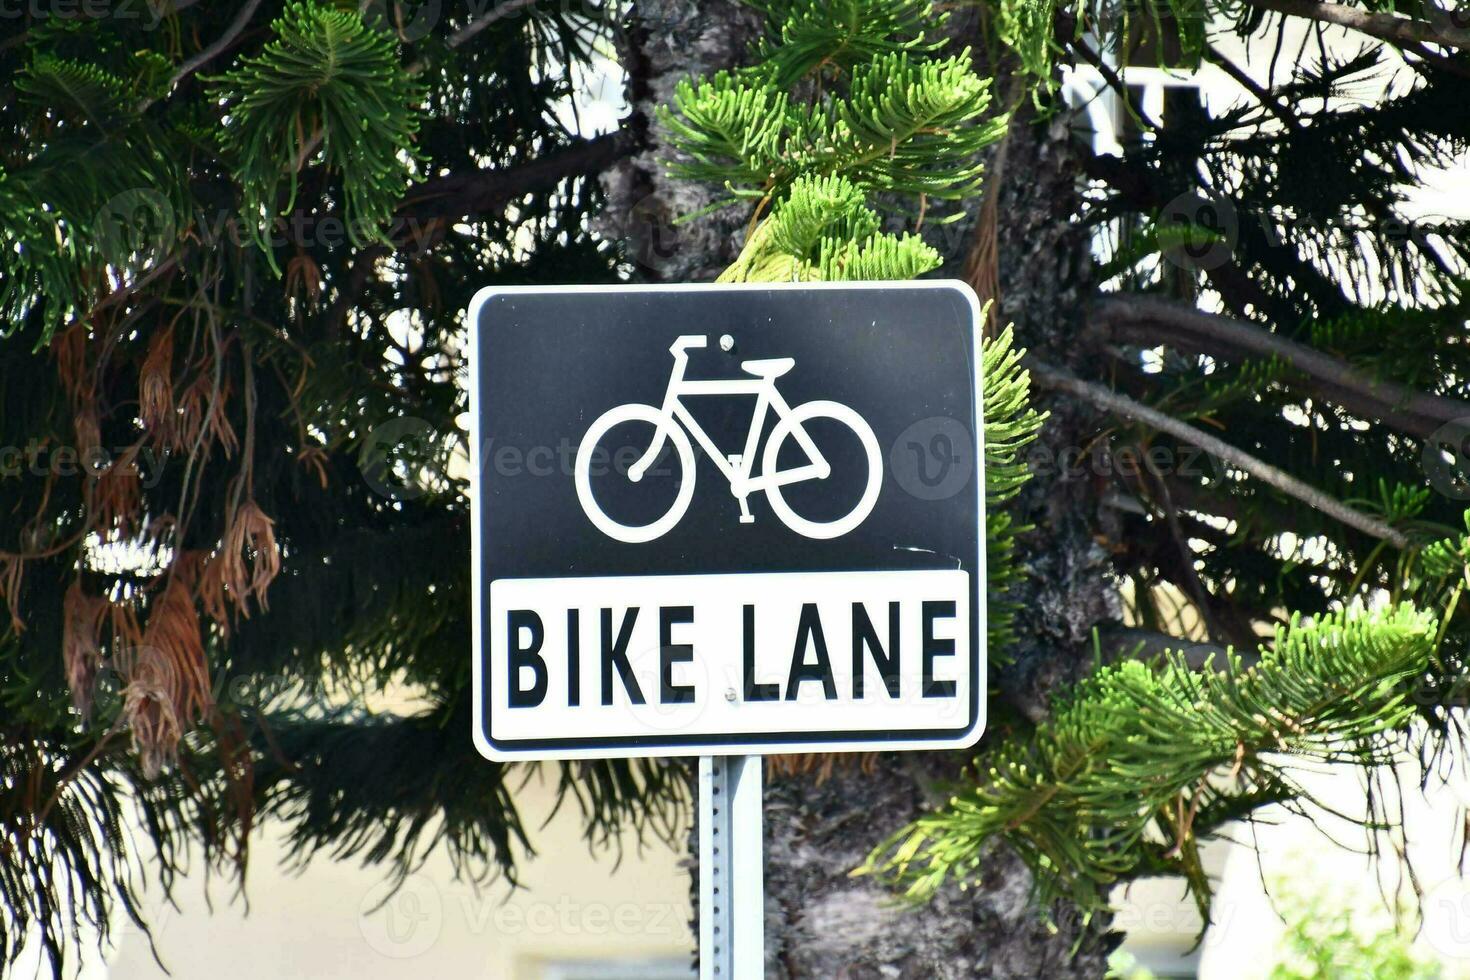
column 1327, row 940
column 823, row 230
column 844, row 102
column 73, row 87
column 901, row 123
column 1312, row 254
column 1173, row 31
column 1424, row 355
column 817, row 39
column 99, row 191
column 1144, row 760
column 1011, row 424
column 1124, row 966
column 71, row 864
column 1025, row 27
column 1448, row 556
column 327, row 80
column 79, row 842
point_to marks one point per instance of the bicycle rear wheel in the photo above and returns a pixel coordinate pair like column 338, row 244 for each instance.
column 636, row 533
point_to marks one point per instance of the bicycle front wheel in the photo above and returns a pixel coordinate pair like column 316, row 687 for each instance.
column 645, row 425
column 847, row 418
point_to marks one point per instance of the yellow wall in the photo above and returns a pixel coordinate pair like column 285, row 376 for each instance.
column 329, row 921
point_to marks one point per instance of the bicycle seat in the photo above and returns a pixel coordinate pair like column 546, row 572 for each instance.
column 770, row 368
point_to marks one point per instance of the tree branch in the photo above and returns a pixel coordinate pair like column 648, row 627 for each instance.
column 1147, row 189
column 1113, row 81
column 1150, row 321
column 1264, row 97
column 482, row 191
column 476, row 26
column 1052, row 378
column 1387, row 27
column 1129, row 643
column 1457, row 68
column 429, row 208
column 210, row 53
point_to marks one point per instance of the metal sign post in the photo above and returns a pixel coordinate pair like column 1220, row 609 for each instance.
column 731, row 869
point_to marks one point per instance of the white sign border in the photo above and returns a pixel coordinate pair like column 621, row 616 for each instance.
column 967, row 736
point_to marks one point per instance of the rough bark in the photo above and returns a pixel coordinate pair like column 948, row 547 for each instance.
column 820, row 922
column 661, row 43
column 1044, row 290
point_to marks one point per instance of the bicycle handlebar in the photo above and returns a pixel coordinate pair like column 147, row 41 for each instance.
column 687, row 342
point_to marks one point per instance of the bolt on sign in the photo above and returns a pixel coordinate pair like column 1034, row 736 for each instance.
column 721, row 520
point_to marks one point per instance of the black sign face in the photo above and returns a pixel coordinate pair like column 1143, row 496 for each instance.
column 726, row 519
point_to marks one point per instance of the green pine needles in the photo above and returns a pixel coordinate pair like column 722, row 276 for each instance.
column 102, row 196
column 98, row 195
column 328, row 83
column 903, row 123
column 813, row 37
column 845, row 101
column 823, row 230
column 1173, row 31
column 1011, row 424
column 1146, row 759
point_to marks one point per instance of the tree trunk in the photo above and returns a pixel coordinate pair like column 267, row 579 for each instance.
column 662, row 43
column 820, row 923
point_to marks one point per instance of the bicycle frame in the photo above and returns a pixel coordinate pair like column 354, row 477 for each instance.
column 737, row 469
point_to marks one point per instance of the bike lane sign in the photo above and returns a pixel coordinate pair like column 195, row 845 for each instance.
column 726, row 520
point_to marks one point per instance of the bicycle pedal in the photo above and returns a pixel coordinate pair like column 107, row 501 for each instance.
column 734, row 458
column 746, row 517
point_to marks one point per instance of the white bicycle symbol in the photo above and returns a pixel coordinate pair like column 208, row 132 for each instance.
column 737, row 468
